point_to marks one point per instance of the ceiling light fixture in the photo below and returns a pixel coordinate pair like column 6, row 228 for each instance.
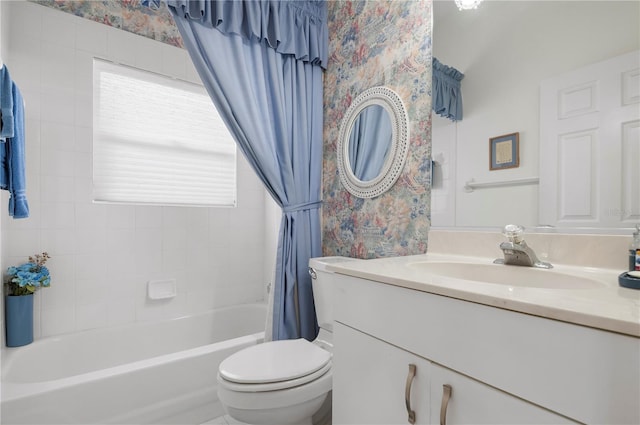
column 467, row 4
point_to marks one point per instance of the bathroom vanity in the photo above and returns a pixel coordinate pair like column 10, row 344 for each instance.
column 419, row 341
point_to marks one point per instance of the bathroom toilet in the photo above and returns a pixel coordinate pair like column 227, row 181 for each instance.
column 289, row 381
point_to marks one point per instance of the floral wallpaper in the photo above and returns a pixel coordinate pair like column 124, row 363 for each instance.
column 379, row 43
column 128, row 15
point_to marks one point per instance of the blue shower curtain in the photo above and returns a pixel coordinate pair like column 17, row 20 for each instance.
column 262, row 63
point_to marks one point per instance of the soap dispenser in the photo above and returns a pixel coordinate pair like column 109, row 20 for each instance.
column 634, row 250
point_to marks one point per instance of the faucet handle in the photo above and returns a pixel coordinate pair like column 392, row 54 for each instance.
column 513, row 232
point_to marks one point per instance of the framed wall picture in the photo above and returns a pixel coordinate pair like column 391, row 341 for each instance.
column 504, row 152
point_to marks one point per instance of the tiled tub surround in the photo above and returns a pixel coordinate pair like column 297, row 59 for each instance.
column 154, row 372
column 103, row 255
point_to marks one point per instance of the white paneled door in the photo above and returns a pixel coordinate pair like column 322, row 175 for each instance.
column 590, row 145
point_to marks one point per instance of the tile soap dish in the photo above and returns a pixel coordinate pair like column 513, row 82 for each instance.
column 629, row 280
column 162, row 289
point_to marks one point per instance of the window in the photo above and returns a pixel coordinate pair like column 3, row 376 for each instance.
column 158, row 140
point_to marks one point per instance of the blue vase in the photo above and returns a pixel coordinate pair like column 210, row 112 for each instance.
column 18, row 318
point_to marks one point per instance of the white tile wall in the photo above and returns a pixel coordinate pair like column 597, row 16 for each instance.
column 103, row 255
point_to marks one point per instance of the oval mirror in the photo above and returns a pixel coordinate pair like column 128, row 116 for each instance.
column 373, row 142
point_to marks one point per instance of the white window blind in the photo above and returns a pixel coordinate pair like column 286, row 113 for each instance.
column 158, row 140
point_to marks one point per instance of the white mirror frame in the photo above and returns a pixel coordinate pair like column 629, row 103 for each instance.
column 394, row 162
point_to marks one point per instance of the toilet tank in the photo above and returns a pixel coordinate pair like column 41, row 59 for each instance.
column 322, row 284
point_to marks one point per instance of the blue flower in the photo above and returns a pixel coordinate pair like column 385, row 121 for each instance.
column 26, row 267
column 26, row 278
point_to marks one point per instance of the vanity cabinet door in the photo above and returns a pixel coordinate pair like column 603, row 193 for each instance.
column 370, row 379
column 472, row 402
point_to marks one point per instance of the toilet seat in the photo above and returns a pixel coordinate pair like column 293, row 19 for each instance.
column 274, row 365
column 283, row 398
column 281, row 385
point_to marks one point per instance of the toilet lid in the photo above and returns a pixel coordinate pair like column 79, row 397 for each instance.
column 273, row 362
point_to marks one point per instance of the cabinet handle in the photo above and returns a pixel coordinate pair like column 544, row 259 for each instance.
column 446, row 395
column 407, row 394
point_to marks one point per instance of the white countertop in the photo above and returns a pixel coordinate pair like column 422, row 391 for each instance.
column 607, row 306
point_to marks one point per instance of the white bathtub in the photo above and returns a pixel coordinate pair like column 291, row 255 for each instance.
column 143, row 373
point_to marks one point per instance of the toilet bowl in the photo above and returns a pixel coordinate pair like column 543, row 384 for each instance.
column 278, row 382
column 289, row 381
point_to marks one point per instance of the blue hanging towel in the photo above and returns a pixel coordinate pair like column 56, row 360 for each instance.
column 12, row 155
column 6, row 105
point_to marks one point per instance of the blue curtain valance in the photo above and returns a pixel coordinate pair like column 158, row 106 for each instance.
column 289, row 26
column 446, row 93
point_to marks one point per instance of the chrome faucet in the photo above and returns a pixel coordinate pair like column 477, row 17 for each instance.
column 516, row 251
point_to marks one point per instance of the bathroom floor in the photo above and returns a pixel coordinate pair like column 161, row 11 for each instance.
column 223, row 420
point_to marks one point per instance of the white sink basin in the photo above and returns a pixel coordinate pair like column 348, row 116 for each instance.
column 516, row 276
